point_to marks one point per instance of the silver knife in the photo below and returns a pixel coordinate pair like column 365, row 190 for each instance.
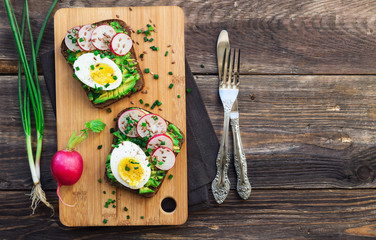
column 243, row 185
column 221, row 183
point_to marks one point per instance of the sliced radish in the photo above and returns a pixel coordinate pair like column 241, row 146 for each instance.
column 71, row 39
column 160, row 140
column 151, row 125
column 164, row 158
column 84, row 37
column 134, row 115
column 121, row 44
column 102, row 36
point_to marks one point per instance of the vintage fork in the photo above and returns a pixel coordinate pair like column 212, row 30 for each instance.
column 228, row 92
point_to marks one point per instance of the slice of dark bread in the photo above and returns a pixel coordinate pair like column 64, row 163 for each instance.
column 139, row 83
column 119, row 185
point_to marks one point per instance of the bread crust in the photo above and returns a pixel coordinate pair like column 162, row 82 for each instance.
column 139, row 83
column 155, row 189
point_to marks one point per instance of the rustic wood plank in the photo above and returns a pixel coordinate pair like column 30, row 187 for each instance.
column 268, row 214
column 298, row 131
column 309, row 37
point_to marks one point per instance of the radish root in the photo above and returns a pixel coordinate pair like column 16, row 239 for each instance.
column 57, row 192
column 37, row 195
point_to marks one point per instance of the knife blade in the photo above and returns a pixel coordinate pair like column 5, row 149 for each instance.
column 223, row 43
column 221, row 182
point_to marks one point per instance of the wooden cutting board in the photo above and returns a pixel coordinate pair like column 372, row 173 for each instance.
column 74, row 109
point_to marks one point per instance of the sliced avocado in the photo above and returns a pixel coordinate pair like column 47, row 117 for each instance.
column 175, row 130
column 145, row 190
column 122, row 90
column 110, row 175
column 174, row 140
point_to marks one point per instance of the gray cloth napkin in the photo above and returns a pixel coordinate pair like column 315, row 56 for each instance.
column 202, row 144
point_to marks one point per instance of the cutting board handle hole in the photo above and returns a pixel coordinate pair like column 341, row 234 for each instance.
column 168, row 204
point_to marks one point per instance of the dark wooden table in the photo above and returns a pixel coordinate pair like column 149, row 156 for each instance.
column 308, row 110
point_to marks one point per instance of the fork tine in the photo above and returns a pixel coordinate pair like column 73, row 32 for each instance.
column 223, row 67
column 238, row 70
column 230, row 68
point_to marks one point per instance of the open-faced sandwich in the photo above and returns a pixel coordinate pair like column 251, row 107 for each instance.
column 103, row 60
column 144, row 149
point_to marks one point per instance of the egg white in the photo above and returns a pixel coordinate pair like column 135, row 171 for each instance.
column 86, row 60
column 129, row 149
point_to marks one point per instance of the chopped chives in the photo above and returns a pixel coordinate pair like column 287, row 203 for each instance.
column 160, row 163
column 202, row 66
column 125, row 209
column 114, row 206
column 166, row 53
column 170, row 86
column 143, row 124
column 104, row 192
column 92, row 67
column 178, row 96
column 170, row 176
column 147, row 104
column 156, row 76
column 100, row 180
column 142, row 217
column 114, row 77
column 169, row 73
column 189, row 90
column 151, row 39
column 128, row 217
column 113, row 192
column 135, row 168
column 109, row 110
column 163, row 143
column 159, row 103
column 77, row 68
column 112, row 130
column 99, row 147
column 147, row 70
column 134, row 89
column 127, row 168
column 141, row 101
column 104, row 221
column 107, row 85
column 139, row 31
column 81, row 39
column 146, row 39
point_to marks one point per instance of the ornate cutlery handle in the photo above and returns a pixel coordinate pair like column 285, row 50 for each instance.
column 221, row 183
column 243, row 185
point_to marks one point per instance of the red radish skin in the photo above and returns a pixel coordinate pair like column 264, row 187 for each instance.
column 155, row 142
column 165, row 155
column 134, row 114
column 101, row 35
column 66, row 168
column 121, row 43
column 145, row 131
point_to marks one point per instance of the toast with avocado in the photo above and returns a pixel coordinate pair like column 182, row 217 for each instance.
column 143, row 151
column 103, row 60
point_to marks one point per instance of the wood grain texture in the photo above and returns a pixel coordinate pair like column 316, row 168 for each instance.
column 73, row 109
column 308, row 37
column 297, row 131
column 268, row 214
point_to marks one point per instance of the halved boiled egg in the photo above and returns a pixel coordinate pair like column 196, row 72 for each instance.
column 129, row 165
column 97, row 72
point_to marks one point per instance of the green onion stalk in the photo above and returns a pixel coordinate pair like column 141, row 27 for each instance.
column 30, row 95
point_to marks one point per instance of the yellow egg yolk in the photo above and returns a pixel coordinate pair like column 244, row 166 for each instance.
column 102, row 74
column 130, row 171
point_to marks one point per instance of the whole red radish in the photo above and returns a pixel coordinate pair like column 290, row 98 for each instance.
column 67, row 164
